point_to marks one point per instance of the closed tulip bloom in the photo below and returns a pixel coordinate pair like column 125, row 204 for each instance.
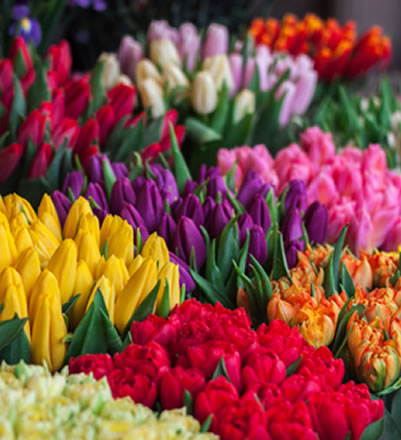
column 245, row 223
column 218, row 218
column 244, row 104
column 277, row 308
column 291, row 252
column 316, row 222
column 257, row 244
column 251, row 185
column 216, row 41
column 174, row 77
column 12, row 296
column 150, row 204
column 74, row 181
column 152, row 97
column 44, row 241
column 14, row 204
column 167, row 228
column 83, row 286
column 292, row 225
column 48, row 325
column 28, row 266
column 170, row 273
column 63, row 265
column 219, row 68
column 116, row 271
column 296, row 196
column 111, row 70
column 185, row 276
column 90, row 224
column 138, row 287
column 146, row 69
column 191, row 207
column 108, row 292
column 88, row 250
column 121, row 243
column 110, row 225
column 203, row 93
column 95, row 191
column 189, row 44
column 129, row 54
column 48, row 214
column 122, row 192
column 155, row 248
column 132, row 216
column 80, row 207
column 62, row 204
column 188, row 237
column 163, row 52
column 135, row 264
column 22, row 238
column 259, row 212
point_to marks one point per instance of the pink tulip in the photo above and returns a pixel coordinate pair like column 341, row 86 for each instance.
column 287, row 89
column 339, row 215
column 263, row 61
column 305, row 89
column 225, row 161
column 323, row 189
column 216, row 41
column 235, row 60
column 360, row 235
column 129, row 53
column 352, row 154
column 318, row 145
column 189, row 45
column 374, row 159
column 161, row 30
column 347, row 177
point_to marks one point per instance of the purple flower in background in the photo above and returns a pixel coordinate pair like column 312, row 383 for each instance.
column 218, row 218
column 291, row 252
column 98, row 5
column 26, row 27
column 73, row 181
column 296, row 196
column 185, row 276
column 62, row 204
column 245, row 223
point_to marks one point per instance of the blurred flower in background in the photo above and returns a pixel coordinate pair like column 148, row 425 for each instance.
column 23, row 25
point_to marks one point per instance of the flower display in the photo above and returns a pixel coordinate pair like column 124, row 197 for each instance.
column 266, row 383
column 36, row 404
column 336, row 50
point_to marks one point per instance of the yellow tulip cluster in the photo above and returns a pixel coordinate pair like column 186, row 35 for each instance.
column 42, row 266
column 37, row 405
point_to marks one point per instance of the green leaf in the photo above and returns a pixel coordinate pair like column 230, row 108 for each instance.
column 153, row 131
column 374, row 431
column 266, row 284
column 10, row 329
column 221, row 370
column 164, row 306
column 97, row 89
column 182, row 294
column 70, row 303
column 347, row 281
column 181, row 170
column 391, row 430
column 206, row 425
column 105, row 249
column 396, row 408
column 54, row 170
column 18, row 108
column 131, row 142
column 19, row 349
column 228, row 247
column 188, row 402
column 291, row 369
column 39, row 91
column 280, row 267
column 109, row 178
column 219, row 116
column 200, row 132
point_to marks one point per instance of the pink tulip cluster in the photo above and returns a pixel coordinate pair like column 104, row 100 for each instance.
column 356, row 185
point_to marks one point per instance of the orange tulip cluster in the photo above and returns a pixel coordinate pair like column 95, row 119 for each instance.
column 336, row 51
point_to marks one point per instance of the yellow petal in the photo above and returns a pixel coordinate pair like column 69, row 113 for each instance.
column 108, row 292
column 44, row 241
column 83, row 286
column 121, row 242
column 48, row 214
column 156, row 248
column 79, row 208
column 135, row 264
column 169, row 272
column 88, row 250
column 116, row 271
column 28, row 266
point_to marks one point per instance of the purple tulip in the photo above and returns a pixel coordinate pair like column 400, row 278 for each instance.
column 291, row 252
column 292, row 225
column 251, row 185
column 185, row 276
column 74, row 181
column 316, row 221
column 95, row 169
column 189, row 44
column 96, row 192
column 161, row 30
column 208, row 205
column 137, row 183
column 296, row 196
column 217, row 219
column 259, row 211
column 165, row 180
column 167, row 228
column 188, row 237
column 189, row 187
column 215, row 186
column 257, row 244
column 150, row 204
column 245, row 224
column 122, row 192
column 129, row 54
column 119, row 169
column 62, row 204
column 175, row 207
column 191, row 207
column 207, row 173
column 98, row 5
column 216, row 41
column 130, row 213
column 100, row 213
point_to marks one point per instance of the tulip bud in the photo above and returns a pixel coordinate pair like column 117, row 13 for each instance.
column 257, row 244
column 152, row 96
column 129, row 54
column 155, row 248
column 121, row 243
column 108, row 292
column 316, row 222
column 14, row 204
column 150, row 204
column 167, row 228
column 278, row 308
column 191, row 207
column 219, row 68
column 21, row 235
column 62, row 205
column 292, row 225
column 291, row 252
column 245, row 223
column 135, row 264
column 75, row 182
column 188, row 237
column 110, row 226
column 216, row 186
column 90, row 224
column 203, row 93
column 8, row 250
column 44, row 241
column 251, row 185
column 208, row 205
column 48, row 325
column 138, row 287
column 116, row 271
column 189, row 44
column 163, row 52
column 132, row 216
column 28, row 266
column 145, row 69
column 244, row 104
column 88, row 250
column 170, row 273
column 63, row 265
column 111, row 70
column 218, row 218
column 259, row 212
column 185, row 276
column 122, row 192
column 216, row 41
column 119, row 169
column 48, row 214
column 78, row 209
column 9, row 160
column 83, row 286
column 174, row 77
column 296, row 196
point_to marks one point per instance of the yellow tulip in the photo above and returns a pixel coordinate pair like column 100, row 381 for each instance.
column 90, row 224
column 108, row 292
column 8, row 249
column 12, row 295
column 136, row 290
column 83, row 286
column 2, row 205
column 169, row 272
column 48, row 325
column 22, row 238
column 121, row 243
column 110, row 225
column 44, row 241
column 156, row 248
column 100, row 267
column 48, row 214
column 28, row 266
column 116, row 271
column 63, row 265
column 79, row 208
column 135, row 265
column 88, row 250
column 14, row 204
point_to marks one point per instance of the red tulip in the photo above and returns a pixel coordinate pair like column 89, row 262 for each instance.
column 77, row 94
column 151, row 152
column 33, row 127
column 122, row 99
column 87, row 135
column 68, row 129
column 9, row 160
column 105, row 119
column 98, row 364
column 41, row 161
column 6, row 82
column 86, row 155
column 19, row 50
column 60, row 61
column 58, row 107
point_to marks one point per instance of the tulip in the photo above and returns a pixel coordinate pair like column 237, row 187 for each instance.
column 169, row 273
column 145, row 69
column 150, row 204
column 257, row 244
column 188, row 237
column 88, row 250
column 48, row 325
column 48, row 214
column 110, row 226
column 44, row 241
column 63, row 265
column 111, row 70
column 74, row 181
column 122, row 100
column 105, row 121
column 259, row 212
column 8, row 250
column 132, row 216
column 292, row 226
column 9, row 160
column 33, row 128
column 60, row 61
column 291, row 252
column 174, row 77
column 83, row 286
column 41, row 161
column 77, row 95
column 66, row 131
column 364, row 331
column 218, row 218
column 204, row 93
column 164, row 177
column 251, row 185
column 12, row 296
column 14, row 204
column 244, row 104
column 119, row 169
column 95, row 192
column 245, row 223
column 167, row 228
column 152, row 96
column 135, row 264
column 185, row 276
column 216, row 41
column 122, row 192
column 191, row 207
column 116, row 271
column 138, row 287
column 95, row 168
column 296, row 196
column 79, row 208
column 62, row 205
column 189, row 44
column 305, row 89
column 316, row 222
column 163, row 52
column 129, row 54
column 278, row 308
column 109, row 295
column 155, row 248
column 28, row 266
column 219, row 68
column 22, row 238
column 208, row 205
column 121, row 243
column 90, row 224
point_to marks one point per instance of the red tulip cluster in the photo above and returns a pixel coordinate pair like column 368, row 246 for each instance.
column 263, row 384
column 336, row 51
